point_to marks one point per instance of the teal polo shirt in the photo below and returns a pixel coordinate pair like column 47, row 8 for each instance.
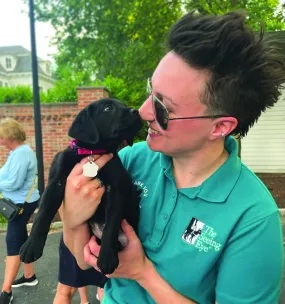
column 218, row 242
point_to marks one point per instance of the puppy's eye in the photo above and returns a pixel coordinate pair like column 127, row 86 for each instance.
column 108, row 108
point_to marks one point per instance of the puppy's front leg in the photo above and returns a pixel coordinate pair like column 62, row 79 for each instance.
column 108, row 259
column 49, row 204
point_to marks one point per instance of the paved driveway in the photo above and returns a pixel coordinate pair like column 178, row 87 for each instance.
column 46, row 270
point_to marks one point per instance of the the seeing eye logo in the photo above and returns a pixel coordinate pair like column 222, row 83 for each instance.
column 193, row 230
column 108, row 108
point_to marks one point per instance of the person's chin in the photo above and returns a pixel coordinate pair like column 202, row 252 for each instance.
column 154, row 143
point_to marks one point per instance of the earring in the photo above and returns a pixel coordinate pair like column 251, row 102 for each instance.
column 223, row 135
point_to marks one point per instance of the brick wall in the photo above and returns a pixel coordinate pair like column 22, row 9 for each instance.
column 56, row 119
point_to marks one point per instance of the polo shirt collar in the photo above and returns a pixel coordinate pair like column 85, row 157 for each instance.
column 223, row 178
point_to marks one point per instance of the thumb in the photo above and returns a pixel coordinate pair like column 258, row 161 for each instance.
column 128, row 230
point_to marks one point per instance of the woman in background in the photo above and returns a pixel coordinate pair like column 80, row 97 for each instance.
column 17, row 178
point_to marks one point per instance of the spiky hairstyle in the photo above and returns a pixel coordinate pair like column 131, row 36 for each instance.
column 246, row 69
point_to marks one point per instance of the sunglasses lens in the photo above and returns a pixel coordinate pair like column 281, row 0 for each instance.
column 160, row 113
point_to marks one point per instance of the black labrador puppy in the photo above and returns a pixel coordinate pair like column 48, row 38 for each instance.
column 101, row 127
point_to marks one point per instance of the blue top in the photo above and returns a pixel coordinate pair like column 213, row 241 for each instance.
column 18, row 174
column 220, row 242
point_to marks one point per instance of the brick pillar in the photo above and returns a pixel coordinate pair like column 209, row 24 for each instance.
column 88, row 94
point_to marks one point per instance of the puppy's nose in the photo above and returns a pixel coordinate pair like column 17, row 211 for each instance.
column 134, row 111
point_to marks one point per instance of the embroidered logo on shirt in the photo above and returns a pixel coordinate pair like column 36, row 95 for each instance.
column 201, row 236
column 142, row 186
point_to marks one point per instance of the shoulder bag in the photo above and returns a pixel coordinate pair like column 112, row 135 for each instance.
column 9, row 209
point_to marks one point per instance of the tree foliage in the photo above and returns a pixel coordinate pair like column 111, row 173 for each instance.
column 65, row 88
column 268, row 14
column 119, row 42
column 117, row 38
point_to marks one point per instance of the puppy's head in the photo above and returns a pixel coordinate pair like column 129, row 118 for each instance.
column 105, row 123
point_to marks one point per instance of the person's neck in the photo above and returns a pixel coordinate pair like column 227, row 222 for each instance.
column 192, row 170
column 15, row 144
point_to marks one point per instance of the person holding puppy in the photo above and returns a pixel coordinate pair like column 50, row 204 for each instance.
column 17, row 179
column 209, row 229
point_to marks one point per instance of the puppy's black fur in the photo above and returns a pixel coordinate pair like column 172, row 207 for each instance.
column 103, row 124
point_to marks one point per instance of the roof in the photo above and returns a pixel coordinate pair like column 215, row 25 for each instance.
column 24, row 64
column 24, row 60
column 13, row 50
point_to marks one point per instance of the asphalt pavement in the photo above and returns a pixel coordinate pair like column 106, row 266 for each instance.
column 46, row 270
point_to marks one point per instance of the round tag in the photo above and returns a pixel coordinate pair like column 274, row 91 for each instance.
column 90, row 169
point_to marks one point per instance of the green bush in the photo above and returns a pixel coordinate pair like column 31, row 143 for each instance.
column 18, row 94
column 3, row 220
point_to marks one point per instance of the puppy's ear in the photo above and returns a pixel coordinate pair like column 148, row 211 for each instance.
column 84, row 128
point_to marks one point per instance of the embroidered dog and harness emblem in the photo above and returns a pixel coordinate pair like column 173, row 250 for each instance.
column 201, row 236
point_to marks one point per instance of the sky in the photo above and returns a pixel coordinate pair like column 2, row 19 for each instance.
column 15, row 29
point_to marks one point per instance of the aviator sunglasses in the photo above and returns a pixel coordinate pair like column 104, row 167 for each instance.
column 161, row 113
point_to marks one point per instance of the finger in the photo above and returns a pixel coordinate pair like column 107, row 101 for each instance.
column 93, row 246
column 86, row 184
column 89, row 257
column 99, row 182
column 128, row 230
column 100, row 161
column 76, row 176
column 100, row 293
column 93, row 192
column 92, row 185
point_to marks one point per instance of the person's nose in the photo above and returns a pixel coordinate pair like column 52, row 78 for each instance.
column 146, row 110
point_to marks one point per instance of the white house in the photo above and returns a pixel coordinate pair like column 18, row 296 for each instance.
column 263, row 149
column 16, row 68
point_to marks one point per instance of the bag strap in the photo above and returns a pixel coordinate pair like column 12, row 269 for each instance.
column 32, row 189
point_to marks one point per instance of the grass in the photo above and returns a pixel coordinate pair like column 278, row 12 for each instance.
column 3, row 223
column 3, row 220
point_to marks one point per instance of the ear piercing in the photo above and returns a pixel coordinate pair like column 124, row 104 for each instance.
column 223, row 135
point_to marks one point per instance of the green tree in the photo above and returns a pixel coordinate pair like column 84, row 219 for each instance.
column 116, row 38
column 266, row 13
column 65, row 88
column 119, row 42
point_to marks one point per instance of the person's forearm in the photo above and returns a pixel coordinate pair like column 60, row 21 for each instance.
column 75, row 240
column 159, row 289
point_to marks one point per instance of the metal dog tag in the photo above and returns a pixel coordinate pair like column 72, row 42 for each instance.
column 90, row 169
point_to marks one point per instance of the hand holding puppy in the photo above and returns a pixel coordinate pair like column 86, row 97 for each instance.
column 133, row 261
column 82, row 194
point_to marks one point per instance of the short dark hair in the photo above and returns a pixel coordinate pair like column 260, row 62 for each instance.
column 246, row 70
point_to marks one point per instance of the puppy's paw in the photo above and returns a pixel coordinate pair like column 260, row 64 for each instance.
column 31, row 250
column 107, row 262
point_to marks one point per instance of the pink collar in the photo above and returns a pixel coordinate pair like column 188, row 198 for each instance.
column 83, row 151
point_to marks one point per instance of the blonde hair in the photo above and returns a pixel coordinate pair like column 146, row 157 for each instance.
column 11, row 129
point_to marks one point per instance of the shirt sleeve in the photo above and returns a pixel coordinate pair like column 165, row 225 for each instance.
column 250, row 270
column 2, row 172
column 17, row 171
